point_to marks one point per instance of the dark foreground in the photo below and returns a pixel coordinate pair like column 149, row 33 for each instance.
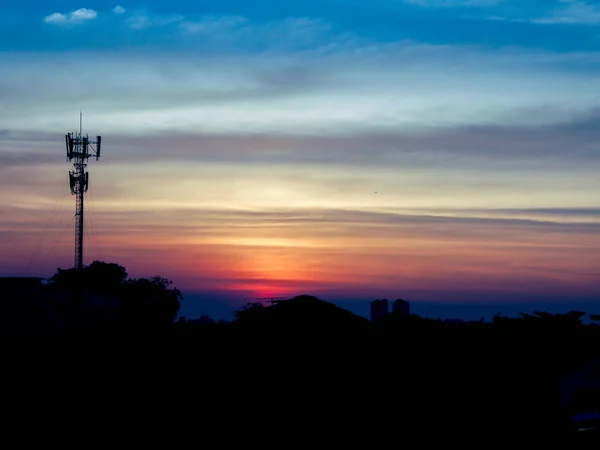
column 412, row 385
column 93, row 358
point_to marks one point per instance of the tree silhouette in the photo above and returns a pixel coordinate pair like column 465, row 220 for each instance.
column 98, row 278
column 572, row 318
column 249, row 311
column 141, row 301
column 150, row 301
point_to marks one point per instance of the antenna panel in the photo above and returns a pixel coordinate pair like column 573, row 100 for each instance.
column 72, row 182
column 84, row 150
column 98, row 143
column 67, row 144
column 71, row 145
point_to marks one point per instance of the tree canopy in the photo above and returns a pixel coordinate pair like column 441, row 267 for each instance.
column 99, row 278
column 141, row 301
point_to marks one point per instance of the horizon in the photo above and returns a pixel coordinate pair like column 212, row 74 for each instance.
column 442, row 152
column 217, row 306
column 220, row 305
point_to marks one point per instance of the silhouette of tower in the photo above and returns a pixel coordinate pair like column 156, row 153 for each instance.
column 379, row 308
column 79, row 149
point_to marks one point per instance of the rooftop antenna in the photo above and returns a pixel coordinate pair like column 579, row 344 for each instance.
column 273, row 300
column 79, row 149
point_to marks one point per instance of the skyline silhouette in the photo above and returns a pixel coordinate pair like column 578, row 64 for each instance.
column 531, row 377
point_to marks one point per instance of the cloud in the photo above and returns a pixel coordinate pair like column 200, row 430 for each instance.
column 418, row 117
column 576, row 12
column 231, row 33
column 119, row 10
column 361, row 90
column 573, row 12
column 325, row 246
column 589, row 216
column 454, row 3
column 457, row 169
column 503, row 147
column 78, row 16
column 17, row 159
column 56, row 18
column 83, row 14
column 212, row 24
column 143, row 20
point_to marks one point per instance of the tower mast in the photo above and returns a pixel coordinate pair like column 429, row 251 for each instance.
column 79, row 149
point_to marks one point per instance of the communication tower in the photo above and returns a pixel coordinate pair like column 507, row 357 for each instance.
column 79, row 149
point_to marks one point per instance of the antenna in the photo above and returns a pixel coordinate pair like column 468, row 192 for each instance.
column 273, row 300
column 79, row 149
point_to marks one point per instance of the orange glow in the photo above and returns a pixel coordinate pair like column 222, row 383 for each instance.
column 276, row 261
column 284, row 250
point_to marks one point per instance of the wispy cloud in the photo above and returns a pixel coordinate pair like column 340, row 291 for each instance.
column 454, row 3
column 119, row 9
column 143, row 20
column 570, row 12
column 212, row 24
column 350, row 91
column 78, row 16
column 575, row 12
column 237, row 32
column 323, row 247
column 371, row 172
column 293, row 33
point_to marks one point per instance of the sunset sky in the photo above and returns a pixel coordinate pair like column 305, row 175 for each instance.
column 440, row 151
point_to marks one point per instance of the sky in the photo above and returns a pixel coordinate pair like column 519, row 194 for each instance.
column 441, row 151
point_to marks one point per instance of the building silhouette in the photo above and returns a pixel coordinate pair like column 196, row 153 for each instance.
column 379, row 308
column 401, row 306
